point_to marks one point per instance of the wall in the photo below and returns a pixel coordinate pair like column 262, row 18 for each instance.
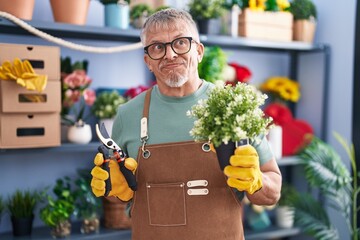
column 335, row 27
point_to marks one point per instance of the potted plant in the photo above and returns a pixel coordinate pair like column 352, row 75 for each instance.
column 305, row 14
column 203, row 11
column 105, row 107
column 87, row 206
column 70, row 11
column 228, row 116
column 21, row 205
column 139, row 14
column 325, row 171
column 76, row 99
column 284, row 212
column 19, row 8
column 57, row 211
column 117, row 13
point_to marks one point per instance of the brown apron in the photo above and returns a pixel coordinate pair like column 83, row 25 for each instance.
column 182, row 193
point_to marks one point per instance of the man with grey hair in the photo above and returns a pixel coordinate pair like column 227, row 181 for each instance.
column 181, row 191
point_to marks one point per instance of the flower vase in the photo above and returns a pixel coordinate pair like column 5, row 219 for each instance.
column 284, row 216
column 80, row 133
column 22, row 226
column 225, row 151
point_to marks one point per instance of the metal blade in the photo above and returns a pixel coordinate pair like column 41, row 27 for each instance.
column 103, row 131
column 100, row 135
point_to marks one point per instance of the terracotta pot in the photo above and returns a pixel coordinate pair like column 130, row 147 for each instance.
column 304, row 30
column 70, row 11
column 19, row 8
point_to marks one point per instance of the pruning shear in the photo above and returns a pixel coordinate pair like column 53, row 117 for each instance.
column 118, row 155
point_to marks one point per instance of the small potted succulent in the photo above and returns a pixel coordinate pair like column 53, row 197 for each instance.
column 57, row 212
column 21, row 205
column 139, row 13
column 305, row 14
column 203, row 11
column 117, row 13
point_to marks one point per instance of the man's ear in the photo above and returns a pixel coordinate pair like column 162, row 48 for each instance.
column 147, row 61
column 200, row 49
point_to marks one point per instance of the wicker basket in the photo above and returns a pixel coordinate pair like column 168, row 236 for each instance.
column 114, row 214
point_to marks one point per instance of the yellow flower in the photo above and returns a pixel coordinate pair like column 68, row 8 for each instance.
column 283, row 4
column 282, row 87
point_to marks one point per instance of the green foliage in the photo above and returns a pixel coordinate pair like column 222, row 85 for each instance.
column 2, row 205
column 60, row 209
column 68, row 67
column 312, row 218
column 229, row 114
column 86, row 204
column 288, row 194
column 21, row 204
column 140, row 10
column 325, row 171
column 271, row 5
column 206, row 9
column 106, row 104
column 228, row 4
column 212, row 64
column 303, row 9
column 161, row 8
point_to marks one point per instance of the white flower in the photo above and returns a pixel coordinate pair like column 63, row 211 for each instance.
column 229, row 114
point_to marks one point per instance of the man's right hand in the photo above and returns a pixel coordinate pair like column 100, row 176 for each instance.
column 119, row 185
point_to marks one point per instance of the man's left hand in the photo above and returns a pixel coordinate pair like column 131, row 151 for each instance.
column 244, row 170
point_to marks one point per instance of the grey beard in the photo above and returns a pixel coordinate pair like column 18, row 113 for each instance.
column 176, row 82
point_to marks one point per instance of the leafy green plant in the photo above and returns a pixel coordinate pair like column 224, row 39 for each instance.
column 206, row 9
column 325, row 171
column 21, row 204
column 60, row 209
column 213, row 64
column 288, row 193
column 2, row 205
column 107, row 103
column 140, row 10
column 228, row 4
column 86, row 204
column 303, row 9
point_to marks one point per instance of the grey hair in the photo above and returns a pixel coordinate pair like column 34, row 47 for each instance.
column 167, row 19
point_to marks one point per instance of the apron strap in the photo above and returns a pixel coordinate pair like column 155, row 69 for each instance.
column 144, row 123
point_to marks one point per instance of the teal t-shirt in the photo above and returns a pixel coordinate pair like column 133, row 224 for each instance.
column 167, row 122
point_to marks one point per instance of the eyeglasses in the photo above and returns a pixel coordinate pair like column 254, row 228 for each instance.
column 180, row 46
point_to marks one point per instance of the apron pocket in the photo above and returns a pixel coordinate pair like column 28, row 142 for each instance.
column 166, row 204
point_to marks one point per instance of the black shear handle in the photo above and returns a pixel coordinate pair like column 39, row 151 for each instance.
column 129, row 176
column 105, row 152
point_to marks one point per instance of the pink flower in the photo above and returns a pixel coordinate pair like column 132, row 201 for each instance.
column 133, row 92
column 89, row 97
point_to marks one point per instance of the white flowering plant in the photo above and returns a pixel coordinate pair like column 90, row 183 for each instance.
column 230, row 113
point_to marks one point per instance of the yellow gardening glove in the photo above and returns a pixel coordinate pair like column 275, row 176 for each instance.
column 119, row 186
column 24, row 75
column 244, row 170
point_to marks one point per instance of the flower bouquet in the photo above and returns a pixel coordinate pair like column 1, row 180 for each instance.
column 230, row 114
column 76, row 94
column 106, row 104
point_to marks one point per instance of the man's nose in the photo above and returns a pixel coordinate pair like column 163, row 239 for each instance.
column 170, row 54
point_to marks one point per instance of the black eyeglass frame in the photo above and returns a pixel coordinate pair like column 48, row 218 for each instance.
column 167, row 43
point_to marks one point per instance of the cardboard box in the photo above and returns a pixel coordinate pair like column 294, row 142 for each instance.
column 276, row 26
column 16, row 99
column 44, row 59
column 19, row 130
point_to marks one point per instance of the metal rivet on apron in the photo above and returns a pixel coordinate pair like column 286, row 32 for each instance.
column 206, row 147
column 146, row 154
